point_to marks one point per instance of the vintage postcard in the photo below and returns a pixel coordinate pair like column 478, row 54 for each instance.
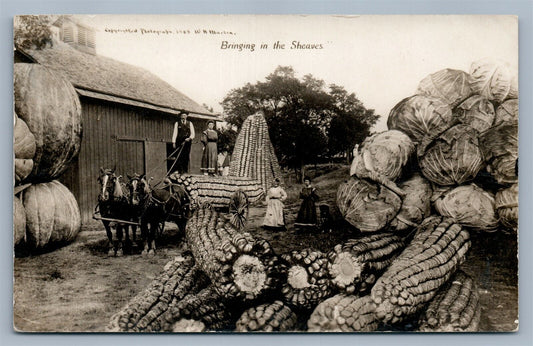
column 265, row 173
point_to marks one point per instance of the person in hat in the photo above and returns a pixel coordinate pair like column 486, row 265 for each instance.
column 182, row 138
column 210, row 155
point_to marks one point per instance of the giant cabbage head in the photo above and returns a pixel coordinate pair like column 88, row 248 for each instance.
column 420, row 117
column 494, row 80
column 470, row 206
column 506, row 202
column 367, row 205
column 455, row 157
column 451, row 86
column 500, row 148
column 385, row 153
column 507, row 113
column 476, row 111
column 416, row 204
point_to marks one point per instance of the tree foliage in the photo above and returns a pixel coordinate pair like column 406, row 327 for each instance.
column 306, row 118
column 32, row 31
column 226, row 139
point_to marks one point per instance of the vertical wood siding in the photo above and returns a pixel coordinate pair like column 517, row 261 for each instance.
column 104, row 124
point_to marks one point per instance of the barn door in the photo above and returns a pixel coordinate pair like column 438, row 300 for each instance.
column 155, row 154
column 129, row 158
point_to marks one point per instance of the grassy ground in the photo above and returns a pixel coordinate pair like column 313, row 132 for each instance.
column 78, row 288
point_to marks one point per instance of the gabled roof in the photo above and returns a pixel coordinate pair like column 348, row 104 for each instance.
column 104, row 78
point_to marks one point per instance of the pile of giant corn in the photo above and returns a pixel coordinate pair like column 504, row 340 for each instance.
column 147, row 311
column 253, row 155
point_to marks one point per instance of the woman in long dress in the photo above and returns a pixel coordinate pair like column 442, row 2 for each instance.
column 210, row 155
column 274, row 218
column 307, row 214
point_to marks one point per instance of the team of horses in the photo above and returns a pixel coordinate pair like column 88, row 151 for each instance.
column 127, row 204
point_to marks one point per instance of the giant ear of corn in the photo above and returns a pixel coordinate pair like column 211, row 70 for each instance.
column 253, row 155
column 147, row 311
column 455, row 308
column 342, row 313
column 437, row 249
column 271, row 317
column 218, row 191
column 205, row 309
column 307, row 282
column 240, row 266
column 355, row 265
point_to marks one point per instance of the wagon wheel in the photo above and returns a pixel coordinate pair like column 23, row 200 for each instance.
column 238, row 209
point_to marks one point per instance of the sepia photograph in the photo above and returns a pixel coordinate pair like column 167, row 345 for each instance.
column 265, row 173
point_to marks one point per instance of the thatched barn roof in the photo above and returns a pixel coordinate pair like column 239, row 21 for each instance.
column 104, row 78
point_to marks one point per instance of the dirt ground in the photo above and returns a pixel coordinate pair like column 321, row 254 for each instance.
column 78, row 287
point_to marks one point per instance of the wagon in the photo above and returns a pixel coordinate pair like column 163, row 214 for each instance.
column 229, row 193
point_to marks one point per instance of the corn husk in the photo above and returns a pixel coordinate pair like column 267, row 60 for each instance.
column 470, row 206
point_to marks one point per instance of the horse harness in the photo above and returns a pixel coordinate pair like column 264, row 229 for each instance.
column 174, row 197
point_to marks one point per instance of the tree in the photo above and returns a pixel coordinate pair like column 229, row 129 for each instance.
column 32, row 32
column 351, row 123
column 226, row 139
column 299, row 114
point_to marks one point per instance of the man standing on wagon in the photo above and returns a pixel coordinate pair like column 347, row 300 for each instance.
column 182, row 138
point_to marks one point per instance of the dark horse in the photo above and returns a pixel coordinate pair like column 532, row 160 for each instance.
column 170, row 203
column 113, row 204
column 139, row 193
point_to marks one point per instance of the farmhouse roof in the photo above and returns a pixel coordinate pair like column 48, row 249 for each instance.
column 108, row 79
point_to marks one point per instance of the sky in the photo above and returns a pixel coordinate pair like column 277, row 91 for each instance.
column 379, row 58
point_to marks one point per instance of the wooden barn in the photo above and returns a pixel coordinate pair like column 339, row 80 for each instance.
column 128, row 116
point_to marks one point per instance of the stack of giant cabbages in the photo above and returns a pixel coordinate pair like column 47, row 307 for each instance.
column 447, row 166
column 451, row 149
